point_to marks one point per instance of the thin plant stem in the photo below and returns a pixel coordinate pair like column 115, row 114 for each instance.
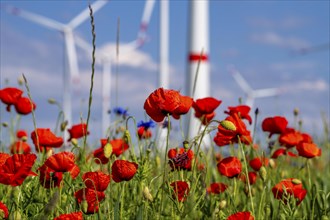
column 92, row 76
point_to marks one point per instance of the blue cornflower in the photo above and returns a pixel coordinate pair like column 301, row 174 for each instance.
column 146, row 125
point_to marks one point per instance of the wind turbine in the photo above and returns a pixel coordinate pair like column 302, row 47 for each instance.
column 106, row 56
column 67, row 30
column 251, row 94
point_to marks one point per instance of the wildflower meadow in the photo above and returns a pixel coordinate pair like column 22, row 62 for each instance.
column 224, row 172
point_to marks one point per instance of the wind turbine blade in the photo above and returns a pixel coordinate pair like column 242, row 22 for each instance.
column 147, row 12
column 265, row 92
column 106, row 95
column 71, row 56
column 240, row 80
column 39, row 19
column 83, row 44
column 85, row 14
column 249, row 101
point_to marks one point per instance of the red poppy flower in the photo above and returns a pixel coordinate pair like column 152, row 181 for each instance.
column 252, row 177
column 3, row 211
column 282, row 151
column 205, row 107
column 23, row 106
column 274, row 125
column 123, row 170
column 290, row 138
column 166, row 101
column 21, row 134
column 180, row 159
column 144, row 133
column 308, row 150
column 242, row 111
column 180, row 190
column 20, row 147
column 289, row 187
column 232, row 129
column 78, row 131
column 230, row 167
column 96, row 180
column 46, row 139
column 307, row 138
column 101, row 158
column 16, row 168
column 216, row 188
column 241, row 216
column 49, row 178
column 3, row 158
column 257, row 162
column 9, row 96
column 70, row 216
column 92, row 197
column 63, row 162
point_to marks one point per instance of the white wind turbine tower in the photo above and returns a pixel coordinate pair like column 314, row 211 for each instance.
column 72, row 76
column 197, row 84
column 251, row 94
column 106, row 56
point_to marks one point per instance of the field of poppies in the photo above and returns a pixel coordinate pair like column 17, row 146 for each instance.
column 132, row 178
column 128, row 175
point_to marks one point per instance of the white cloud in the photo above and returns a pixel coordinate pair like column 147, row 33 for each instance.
column 274, row 39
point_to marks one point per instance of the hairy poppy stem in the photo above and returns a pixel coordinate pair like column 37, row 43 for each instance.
column 92, row 76
column 246, row 173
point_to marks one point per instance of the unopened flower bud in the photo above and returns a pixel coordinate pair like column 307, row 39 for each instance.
column 16, row 215
column 51, row 101
column 296, row 112
column 107, row 150
column 186, row 145
column 158, row 161
column 84, row 206
column 256, row 112
column 324, row 217
column 24, row 138
column 272, row 163
column 296, row 181
column 147, row 195
column 63, row 125
column 2, row 214
column 267, row 210
column 4, row 124
column 74, row 141
column 222, row 204
column 127, row 136
column 49, row 153
column 20, row 81
column 228, row 125
column 263, row 173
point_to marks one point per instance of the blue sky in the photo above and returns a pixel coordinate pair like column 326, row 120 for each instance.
column 260, row 38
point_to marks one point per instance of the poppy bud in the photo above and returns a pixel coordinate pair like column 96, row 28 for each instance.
column 51, row 101
column 296, row 181
column 158, row 161
column 84, row 206
column 74, row 142
column 20, row 81
column 16, row 215
column 267, row 210
column 63, row 125
column 324, row 217
column 127, row 136
column 222, row 204
column 272, row 163
column 263, row 173
column 107, row 150
column 296, row 112
column 186, row 145
column 147, row 195
column 256, row 112
column 49, row 153
column 4, row 124
column 228, row 125
column 2, row 214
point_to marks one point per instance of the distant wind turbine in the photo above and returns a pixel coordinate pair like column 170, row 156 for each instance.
column 106, row 56
column 251, row 94
column 67, row 30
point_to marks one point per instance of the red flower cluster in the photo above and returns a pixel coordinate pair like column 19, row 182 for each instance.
column 70, row 216
column 119, row 146
column 46, row 139
column 4, row 210
column 180, row 190
column 289, row 187
column 204, row 108
column 241, row 110
column 230, row 167
column 274, row 125
column 13, row 96
column 123, row 170
column 166, row 101
column 231, row 130
column 241, row 216
column 78, row 131
column 16, row 168
column 180, row 159
column 96, row 183
column 216, row 188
